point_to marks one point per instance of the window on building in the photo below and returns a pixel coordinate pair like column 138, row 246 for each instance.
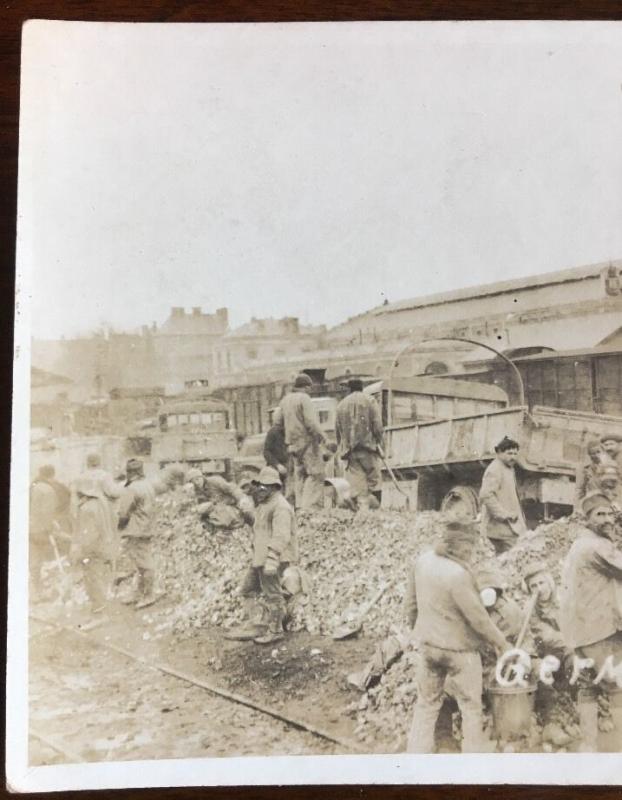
column 436, row 368
column 251, row 353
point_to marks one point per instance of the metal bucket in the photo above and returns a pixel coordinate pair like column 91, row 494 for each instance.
column 512, row 708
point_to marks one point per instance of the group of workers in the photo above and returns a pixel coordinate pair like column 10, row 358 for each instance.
column 95, row 521
column 454, row 612
column 297, row 447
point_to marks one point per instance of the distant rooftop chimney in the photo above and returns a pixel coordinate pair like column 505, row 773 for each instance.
column 177, row 311
column 196, row 311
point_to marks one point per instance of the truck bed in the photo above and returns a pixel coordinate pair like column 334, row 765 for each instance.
column 551, row 440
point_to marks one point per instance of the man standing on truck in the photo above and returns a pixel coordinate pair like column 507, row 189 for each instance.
column 451, row 627
column 502, row 516
column 360, row 434
column 304, row 439
column 590, row 618
column 136, row 518
column 586, row 479
column 612, row 445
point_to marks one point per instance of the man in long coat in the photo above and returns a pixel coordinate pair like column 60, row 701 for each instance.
column 304, row 438
column 502, row 515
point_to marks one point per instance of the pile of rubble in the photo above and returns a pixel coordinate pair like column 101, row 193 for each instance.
column 384, row 712
column 347, row 557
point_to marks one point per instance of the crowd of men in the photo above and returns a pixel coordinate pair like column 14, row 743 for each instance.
column 95, row 521
column 455, row 612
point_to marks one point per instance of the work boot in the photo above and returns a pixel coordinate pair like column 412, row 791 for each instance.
column 147, row 601
column 245, row 634
column 588, row 722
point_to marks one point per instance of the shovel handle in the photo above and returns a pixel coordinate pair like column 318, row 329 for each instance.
column 392, row 475
column 523, row 631
column 371, row 603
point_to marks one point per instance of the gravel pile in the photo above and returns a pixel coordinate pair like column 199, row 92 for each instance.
column 347, row 557
column 384, row 713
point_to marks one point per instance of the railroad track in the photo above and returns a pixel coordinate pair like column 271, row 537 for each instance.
column 205, row 685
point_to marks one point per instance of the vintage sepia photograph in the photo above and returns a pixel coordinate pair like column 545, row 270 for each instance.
column 317, row 439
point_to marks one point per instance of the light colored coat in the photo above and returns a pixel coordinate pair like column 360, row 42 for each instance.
column 499, row 499
column 591, row 593
column 443, row 603
column 301, row 422
column 274, row 531
column 137, row 509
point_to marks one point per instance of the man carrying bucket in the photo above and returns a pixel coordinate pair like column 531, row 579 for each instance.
column 451, row 626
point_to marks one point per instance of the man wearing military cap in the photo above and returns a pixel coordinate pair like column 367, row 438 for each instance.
column 591, row 621
column 359, row 432
column 612, row 445
column 304, row 439
column 136, row 517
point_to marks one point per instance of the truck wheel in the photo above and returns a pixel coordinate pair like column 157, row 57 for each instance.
column 461, row 501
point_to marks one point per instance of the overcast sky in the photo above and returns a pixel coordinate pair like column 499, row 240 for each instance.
column 309, row 170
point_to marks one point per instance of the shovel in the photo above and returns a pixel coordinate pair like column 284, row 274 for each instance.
column 348, row 629
column 393, row 478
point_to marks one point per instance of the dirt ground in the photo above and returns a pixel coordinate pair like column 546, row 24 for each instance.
column 98, row 705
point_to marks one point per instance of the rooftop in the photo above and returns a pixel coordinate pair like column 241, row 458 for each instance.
column 270, row 327
column 499, row 287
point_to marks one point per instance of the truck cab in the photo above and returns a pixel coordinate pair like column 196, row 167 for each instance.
column 197, row 433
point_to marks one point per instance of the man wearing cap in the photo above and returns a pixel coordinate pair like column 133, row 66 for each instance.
column 94, row 545
column 591, row 615
column 136, row 517
column 451, row 627
column 612, row 445
column 586, row 479
column 608, row 481
column 275, row 547
column 304, row 439
column 502, row 515
column 360, row 434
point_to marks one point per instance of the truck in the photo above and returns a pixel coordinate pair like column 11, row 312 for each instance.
column 441, row 462
column 197, row 433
